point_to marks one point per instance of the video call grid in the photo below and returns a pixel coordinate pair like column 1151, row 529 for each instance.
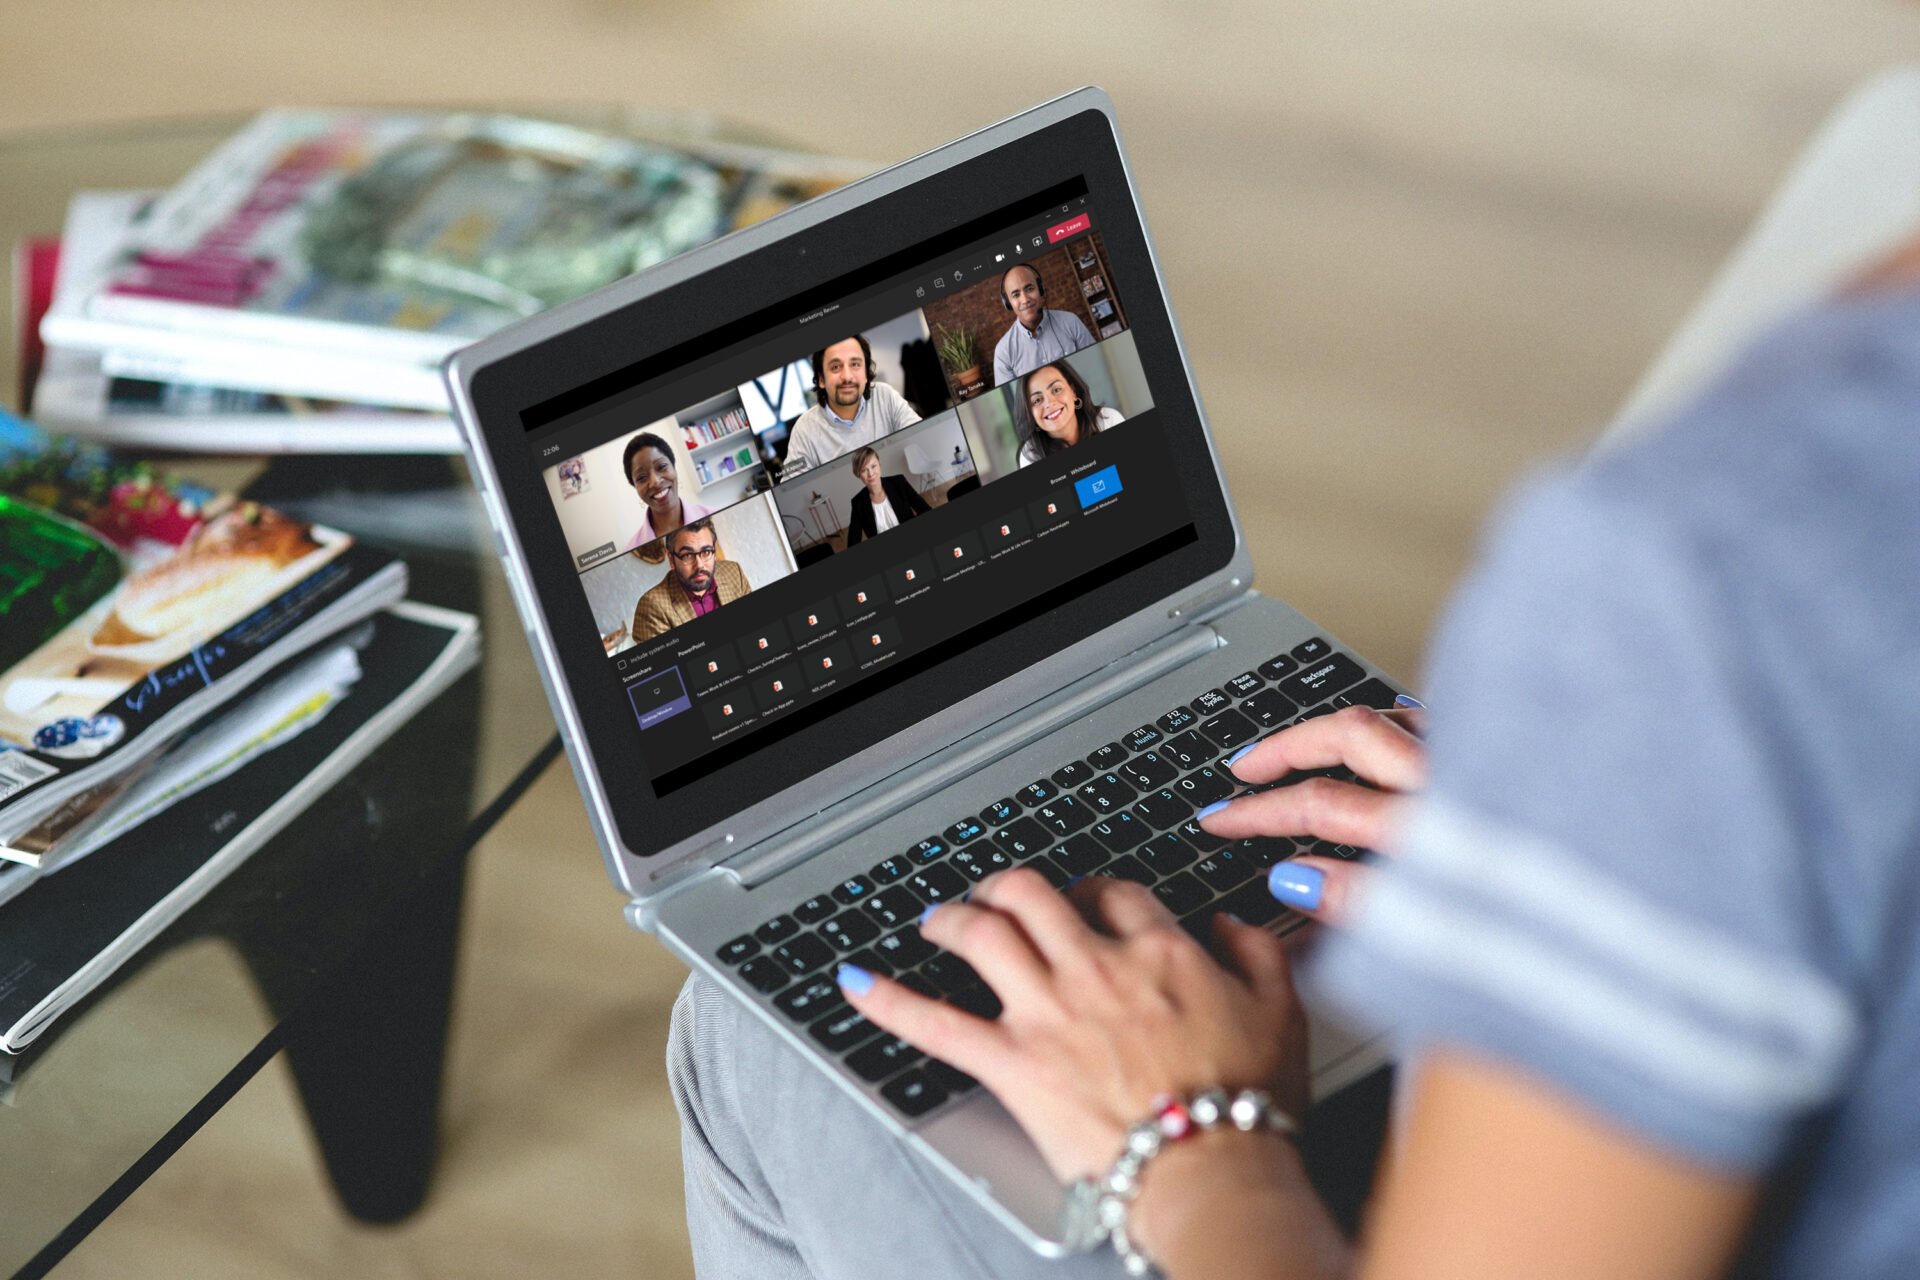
column 1085, row 247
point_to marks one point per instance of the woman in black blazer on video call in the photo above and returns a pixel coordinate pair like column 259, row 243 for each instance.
column 887, row 501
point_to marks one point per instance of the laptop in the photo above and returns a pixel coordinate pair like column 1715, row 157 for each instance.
column 876, row 548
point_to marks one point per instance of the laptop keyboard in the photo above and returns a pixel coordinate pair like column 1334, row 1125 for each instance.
column 1125, row 811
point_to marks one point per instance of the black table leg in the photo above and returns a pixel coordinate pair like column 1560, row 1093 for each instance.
column 368, row 1053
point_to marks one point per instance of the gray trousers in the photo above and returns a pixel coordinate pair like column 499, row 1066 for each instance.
column 788, row 1178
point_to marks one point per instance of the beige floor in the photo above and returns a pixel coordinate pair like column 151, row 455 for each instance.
column 1415, row 248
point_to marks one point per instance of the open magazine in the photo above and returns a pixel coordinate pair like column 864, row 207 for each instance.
column 344, row 254
column 133, row 605
column 186, row 828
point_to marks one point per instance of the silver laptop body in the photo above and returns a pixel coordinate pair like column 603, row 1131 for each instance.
column 885, row 787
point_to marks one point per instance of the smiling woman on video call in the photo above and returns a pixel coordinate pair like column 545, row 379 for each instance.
column 1054, row 410
column 649, row 466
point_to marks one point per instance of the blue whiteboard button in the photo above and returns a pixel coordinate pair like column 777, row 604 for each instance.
column 1097, row 487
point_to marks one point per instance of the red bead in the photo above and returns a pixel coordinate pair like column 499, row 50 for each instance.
column 1175, row 1122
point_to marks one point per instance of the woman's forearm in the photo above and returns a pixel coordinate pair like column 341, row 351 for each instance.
column 1226, row 1205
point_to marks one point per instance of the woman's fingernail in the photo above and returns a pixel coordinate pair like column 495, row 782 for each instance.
column 1069, row 884
column 1211, row 809
column 1408, row 700
column 1297, row 886
column 1240, row 755
column 1236, row 919
column 928, row 913
column 853, row 980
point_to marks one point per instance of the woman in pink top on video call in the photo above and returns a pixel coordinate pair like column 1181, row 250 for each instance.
column 648, row 463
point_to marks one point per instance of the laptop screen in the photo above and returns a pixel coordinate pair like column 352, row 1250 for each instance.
column 802, row 509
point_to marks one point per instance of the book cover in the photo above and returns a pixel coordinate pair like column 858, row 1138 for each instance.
column 36, row 263
column 75, row 927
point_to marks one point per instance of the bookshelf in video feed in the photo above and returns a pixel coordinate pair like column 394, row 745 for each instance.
column 764, row 532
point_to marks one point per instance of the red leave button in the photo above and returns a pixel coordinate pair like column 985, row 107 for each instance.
column 1071, row 227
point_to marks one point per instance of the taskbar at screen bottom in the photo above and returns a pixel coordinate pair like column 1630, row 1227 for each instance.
column 781, row 660
column 898, row 665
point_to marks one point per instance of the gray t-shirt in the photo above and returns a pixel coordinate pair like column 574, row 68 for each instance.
column 819, row 435
column 1670, row 858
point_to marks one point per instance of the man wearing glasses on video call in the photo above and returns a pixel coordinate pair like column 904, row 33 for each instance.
column 699, row 583
column 1037, row 336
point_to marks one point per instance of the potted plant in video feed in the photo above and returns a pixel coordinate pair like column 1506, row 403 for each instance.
column 956, row 346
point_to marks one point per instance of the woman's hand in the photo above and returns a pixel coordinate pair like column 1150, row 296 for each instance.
column 1099, row 1022
column 1382, row 748
column 1109, row 1005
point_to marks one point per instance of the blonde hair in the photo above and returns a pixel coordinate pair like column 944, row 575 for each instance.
column 861, row 455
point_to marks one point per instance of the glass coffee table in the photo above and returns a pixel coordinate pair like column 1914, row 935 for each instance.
column 336, row 941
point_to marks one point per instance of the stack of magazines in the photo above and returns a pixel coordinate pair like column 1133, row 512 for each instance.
column 161, row 646
column 298, row 290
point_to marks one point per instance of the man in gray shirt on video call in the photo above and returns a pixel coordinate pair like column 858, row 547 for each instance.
column 1038, row 335
column 850, row 408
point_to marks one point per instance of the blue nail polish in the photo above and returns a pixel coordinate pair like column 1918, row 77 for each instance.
column 853, row 980
column 1240, row 755
column 1069, row 884
column 1408, row 700
column 1297, row 886
column 1211, row 809
column 925, row 915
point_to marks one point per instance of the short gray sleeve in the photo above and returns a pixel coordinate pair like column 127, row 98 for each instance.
column 1667, row 859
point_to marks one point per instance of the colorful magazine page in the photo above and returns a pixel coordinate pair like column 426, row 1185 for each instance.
column 76, row 393
column 342, row 255
column 401, row 235
column 131, row 604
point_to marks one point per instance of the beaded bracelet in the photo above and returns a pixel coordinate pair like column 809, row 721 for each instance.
column 1096, row 1208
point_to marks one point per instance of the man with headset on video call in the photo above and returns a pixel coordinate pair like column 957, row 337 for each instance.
column 850, row 409
column 1037, row 336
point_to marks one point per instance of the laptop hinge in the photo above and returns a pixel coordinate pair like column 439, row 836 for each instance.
column 887, row 796
column 1199, row 608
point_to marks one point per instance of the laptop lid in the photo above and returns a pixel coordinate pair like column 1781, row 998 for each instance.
column 932, row 450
